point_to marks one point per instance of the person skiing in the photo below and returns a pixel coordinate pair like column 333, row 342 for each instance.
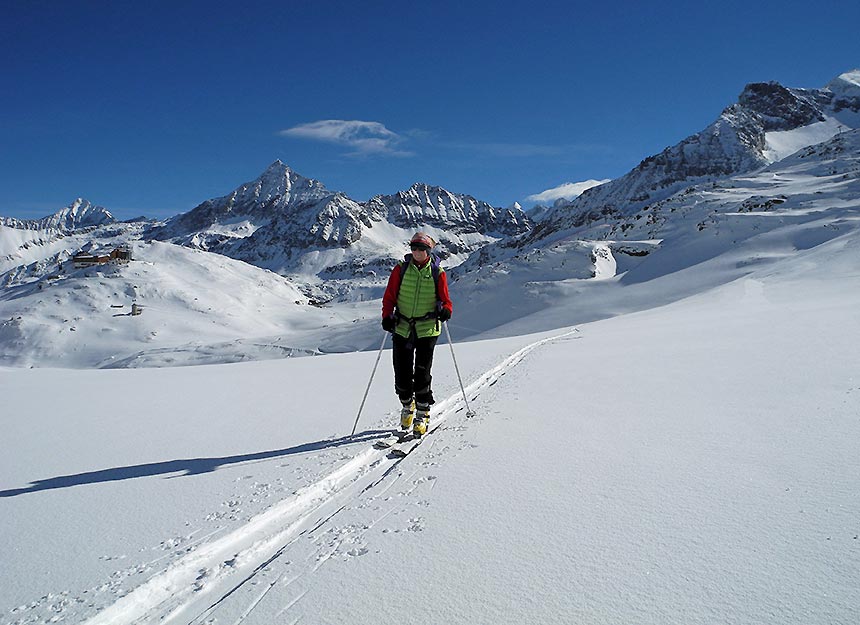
column 415, row 304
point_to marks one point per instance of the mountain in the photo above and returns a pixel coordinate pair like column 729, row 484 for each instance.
column 337, row 247
column 79, row 214
column 631, row 243
column 767, row 123
column 705, row 235
column 202, row 309
column 431, row 207
column 29, row 249
column 279, row 190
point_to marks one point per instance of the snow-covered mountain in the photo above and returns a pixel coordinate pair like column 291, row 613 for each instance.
column 306, row 214
column 616, row 264
column 792, row 159
column 278, row 191
column 766, row 124
column 337, row 247
column 326, row 245
column 79, row 214
column 29, row 249
column 777, row 152
column 450, row 214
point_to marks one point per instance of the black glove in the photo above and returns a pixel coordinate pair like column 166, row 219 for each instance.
column 444, row 314
column 389, row 323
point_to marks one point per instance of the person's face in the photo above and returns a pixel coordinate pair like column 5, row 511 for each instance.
column 419, row 253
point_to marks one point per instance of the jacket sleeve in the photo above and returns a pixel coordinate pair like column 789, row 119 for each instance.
column 442, row 289
column 389, row 300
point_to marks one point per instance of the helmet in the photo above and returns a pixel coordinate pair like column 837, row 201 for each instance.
column 422, row 238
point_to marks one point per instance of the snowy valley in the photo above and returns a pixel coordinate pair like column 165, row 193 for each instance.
column 663, row 371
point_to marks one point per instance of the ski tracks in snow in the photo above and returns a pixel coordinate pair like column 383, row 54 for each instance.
column 231, row 576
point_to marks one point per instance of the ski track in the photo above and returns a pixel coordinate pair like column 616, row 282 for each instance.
column 194, row 587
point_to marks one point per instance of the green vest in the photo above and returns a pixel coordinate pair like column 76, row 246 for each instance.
column 416, row 298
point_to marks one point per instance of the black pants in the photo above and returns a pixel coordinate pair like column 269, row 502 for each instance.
column 412, row 363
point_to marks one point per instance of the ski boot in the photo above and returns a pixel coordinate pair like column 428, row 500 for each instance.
column 407, row 414
column 422, row 420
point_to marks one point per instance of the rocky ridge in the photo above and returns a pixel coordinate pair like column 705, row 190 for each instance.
column 733, row 144
column 79, row 214
column 295, row 226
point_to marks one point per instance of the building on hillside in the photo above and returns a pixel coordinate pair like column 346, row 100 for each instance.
column 90, row 259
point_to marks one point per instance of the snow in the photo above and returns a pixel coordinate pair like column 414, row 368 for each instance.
column 780, row 144
column 665, row 426
column 13, row 239
column 657, row 437
column 197, row 308
column 847, row 84
column 695, row 461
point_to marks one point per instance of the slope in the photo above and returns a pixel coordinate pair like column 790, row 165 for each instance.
column 696, row 461
column 197, row 308
column 700, row 237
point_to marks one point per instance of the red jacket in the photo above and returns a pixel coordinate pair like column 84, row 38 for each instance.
column 389, row 300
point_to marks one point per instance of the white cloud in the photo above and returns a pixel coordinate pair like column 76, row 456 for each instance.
column 364, row 138
column 568, row 191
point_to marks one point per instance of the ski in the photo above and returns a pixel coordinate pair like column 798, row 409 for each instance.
column 406, row 446
column 391, row 441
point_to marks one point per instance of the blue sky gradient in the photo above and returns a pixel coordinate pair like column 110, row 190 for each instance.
column 151, row 108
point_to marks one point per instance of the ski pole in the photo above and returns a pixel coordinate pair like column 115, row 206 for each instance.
column 367, row 390
column 469, row 412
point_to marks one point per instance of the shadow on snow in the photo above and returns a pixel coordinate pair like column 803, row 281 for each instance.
column 190, row 466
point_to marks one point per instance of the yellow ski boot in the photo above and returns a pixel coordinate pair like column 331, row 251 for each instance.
column 407, row 414
column 422, row 420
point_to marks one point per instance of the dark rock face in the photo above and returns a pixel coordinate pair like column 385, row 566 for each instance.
column 779, row 108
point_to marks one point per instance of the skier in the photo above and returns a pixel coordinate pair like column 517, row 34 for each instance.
column 415, row 304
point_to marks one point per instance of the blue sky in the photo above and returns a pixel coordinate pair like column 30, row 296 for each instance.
column 151, row 108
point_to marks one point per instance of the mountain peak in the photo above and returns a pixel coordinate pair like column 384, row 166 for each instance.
column 79, row 214
column 278, row 167
column 280, row 181
column 423, row 186
column 277, row 191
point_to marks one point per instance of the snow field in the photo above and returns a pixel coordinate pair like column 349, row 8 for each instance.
column 697, row 463
column 194, row 415
column 694, row 462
